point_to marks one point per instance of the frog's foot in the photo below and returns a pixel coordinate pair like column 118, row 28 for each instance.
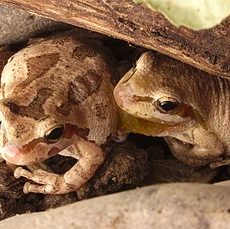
column 189, row 154
column 46, row 182
column 91, row 157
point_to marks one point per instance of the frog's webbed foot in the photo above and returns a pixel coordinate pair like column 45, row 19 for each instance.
column 91, row 157
column 46, row 182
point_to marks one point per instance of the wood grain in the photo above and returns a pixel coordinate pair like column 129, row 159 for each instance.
column 205, row 49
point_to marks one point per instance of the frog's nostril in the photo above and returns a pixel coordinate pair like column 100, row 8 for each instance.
column 10, row 150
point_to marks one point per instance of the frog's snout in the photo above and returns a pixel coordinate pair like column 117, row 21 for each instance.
column 11, row 150
column 123, row 95
column 10, row 153
column 17, row 156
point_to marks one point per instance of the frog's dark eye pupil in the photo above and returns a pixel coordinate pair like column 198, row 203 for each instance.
column 55, row 134
column 167, row 105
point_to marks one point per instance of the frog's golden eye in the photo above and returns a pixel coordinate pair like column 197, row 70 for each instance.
column 167, row 104
column 54, row 134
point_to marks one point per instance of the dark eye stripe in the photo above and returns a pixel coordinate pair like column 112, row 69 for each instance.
column 142, row 98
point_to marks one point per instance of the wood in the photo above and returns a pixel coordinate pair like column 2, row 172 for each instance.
column 206, row 49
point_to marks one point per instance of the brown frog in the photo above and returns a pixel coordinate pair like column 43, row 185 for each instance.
column 188, row 107
column 57, row 99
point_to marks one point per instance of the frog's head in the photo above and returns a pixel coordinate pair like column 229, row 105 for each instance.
column 28, row 138
column 29, row 131
column 158, row 96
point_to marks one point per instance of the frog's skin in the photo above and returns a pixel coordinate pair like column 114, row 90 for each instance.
column 188, row 107
column 57, row 98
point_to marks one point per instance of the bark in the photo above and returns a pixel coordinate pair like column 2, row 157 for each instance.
column 205, row 49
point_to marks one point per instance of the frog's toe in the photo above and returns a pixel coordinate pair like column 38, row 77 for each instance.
column 20, row 172
column 44, row 189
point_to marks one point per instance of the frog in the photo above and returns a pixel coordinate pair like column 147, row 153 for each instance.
column 57, row 98
column 163, row 97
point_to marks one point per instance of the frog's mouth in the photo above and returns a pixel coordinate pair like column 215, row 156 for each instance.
column 14, row 155
column 33, row 152
column 131, row 124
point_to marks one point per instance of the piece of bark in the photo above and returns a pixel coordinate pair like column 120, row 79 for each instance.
column 126, row 20
column 161, row 206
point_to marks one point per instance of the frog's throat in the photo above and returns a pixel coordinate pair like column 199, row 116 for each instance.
column 131, row 124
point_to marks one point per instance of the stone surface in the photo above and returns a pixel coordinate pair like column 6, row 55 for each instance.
column 18, row 25
column 162, row 206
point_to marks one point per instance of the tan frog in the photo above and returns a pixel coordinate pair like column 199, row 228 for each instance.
column 188, row 107
column 57, row 98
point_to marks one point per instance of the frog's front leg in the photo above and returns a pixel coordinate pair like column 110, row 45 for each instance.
column 200, row 147
column 91, row 157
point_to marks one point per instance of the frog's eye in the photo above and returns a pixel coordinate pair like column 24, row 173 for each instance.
column 54, row 134
column 167, row 104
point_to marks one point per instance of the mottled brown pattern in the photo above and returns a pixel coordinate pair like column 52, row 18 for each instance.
column 71, row 101
column 30, row 146
column 81, row 88
column 83, row 133
column 83, row 52
column 100, row 110
column 34, row 109
column 38, row 66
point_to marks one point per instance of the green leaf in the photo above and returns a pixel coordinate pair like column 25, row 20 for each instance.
column 195, row 14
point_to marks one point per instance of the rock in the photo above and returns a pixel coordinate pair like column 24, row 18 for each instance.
column 168, row 206
column 18, row 25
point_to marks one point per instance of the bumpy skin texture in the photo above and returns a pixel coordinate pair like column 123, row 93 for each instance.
column 58, row 82
column 196, row 126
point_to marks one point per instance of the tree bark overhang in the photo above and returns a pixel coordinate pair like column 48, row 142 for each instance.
column 205, row 49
